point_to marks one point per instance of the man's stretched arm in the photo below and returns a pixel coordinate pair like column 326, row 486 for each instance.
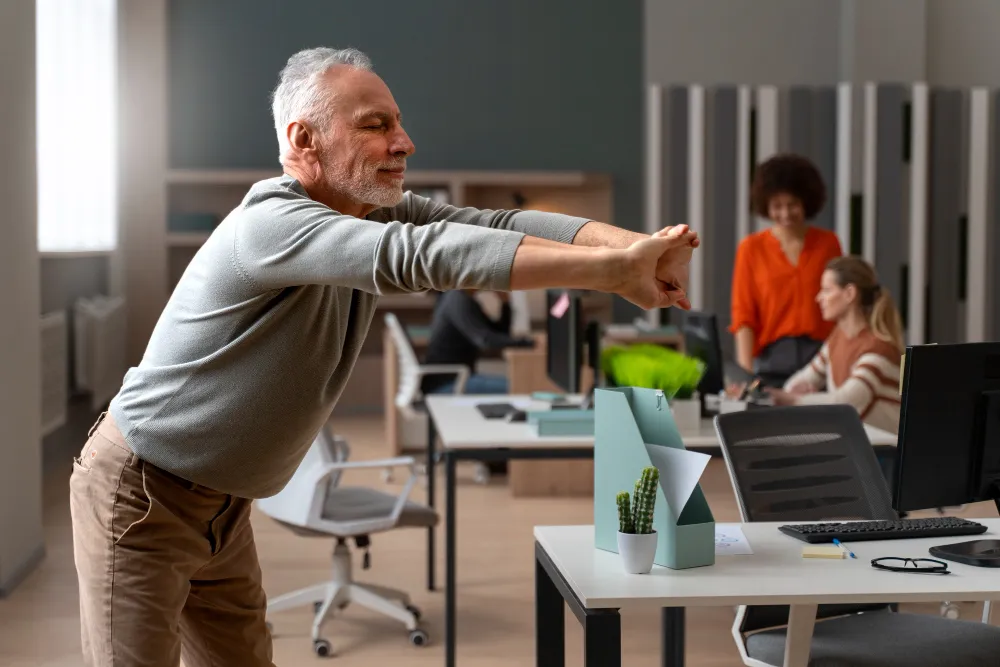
column 596, row 234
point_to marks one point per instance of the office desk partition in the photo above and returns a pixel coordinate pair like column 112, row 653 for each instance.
column 466, row 435
column 594, row 585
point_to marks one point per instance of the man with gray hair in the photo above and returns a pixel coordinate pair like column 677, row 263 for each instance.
column 257, row 343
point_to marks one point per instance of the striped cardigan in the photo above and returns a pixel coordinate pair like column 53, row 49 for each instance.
column 862, row 371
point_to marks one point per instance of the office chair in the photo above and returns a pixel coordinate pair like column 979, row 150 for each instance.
column 315, row 504
column 409, row 397
column 771, row 456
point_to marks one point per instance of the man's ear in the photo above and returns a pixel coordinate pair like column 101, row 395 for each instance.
column 301, row 139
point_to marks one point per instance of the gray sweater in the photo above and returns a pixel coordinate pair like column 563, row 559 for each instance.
column 261, row 333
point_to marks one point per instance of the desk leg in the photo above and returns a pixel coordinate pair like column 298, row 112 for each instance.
column 431, row 456
column 798, row 640
column 449, row 577
column 550, row 639
column 672, row 637
column 602, row 639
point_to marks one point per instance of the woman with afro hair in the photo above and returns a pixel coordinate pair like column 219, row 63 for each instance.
column 775, row 318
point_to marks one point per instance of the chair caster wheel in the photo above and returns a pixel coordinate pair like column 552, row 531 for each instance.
column 418, row 638
column 950, row 611
column 317, row 606
column 482, row 475
column 322, row 648
column 387, row 476
column 413, row 610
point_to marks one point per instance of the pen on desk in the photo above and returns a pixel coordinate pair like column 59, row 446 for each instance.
column 841, row 545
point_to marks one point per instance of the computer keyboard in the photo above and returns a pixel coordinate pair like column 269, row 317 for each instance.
column 859, row 531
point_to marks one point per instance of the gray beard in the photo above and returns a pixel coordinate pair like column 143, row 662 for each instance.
column 379, row 195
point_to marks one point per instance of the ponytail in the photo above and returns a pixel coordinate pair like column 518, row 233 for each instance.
column 885, row 321
column 875, row 301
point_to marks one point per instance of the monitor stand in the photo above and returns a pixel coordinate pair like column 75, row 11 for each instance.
column 979, row 553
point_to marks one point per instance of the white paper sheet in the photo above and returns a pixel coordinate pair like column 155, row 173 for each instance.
column 730, row 540
column 680, row 471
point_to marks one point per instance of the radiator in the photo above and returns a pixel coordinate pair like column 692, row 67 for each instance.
column 55, row 370
column 99, row 347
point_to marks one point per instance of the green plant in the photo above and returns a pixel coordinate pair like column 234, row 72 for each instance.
column 636, row 517
column 625, row 524
column 653, row 367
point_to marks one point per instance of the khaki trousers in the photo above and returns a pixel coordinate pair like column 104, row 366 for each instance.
column 166, row 568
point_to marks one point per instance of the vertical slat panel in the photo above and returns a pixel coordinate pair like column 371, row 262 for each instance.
column 945, row 210
column 870, row 172
column 976, row 305
column 994, row 226
column 842, row 189
column 768, row 129
column 655, row 145
column 888, row 222
column 696, row 188
column 673, row 164
column 916, row 321
column 721, row 204
column 823, row 147
column 800, row 120
column 744, row 169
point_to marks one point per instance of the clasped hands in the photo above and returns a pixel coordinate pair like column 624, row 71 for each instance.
column 657, row 269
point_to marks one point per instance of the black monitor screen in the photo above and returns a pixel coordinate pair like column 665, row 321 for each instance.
column 701, row 340
column 563, row 342
column 949, row 426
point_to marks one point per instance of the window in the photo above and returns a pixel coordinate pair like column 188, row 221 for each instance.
column 76, row 114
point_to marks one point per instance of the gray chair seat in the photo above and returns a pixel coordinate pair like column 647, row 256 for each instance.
column 345, row 504
column 886, row 639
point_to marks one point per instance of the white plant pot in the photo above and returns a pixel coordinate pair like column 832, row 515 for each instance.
column 637, row 551
column 687, row 414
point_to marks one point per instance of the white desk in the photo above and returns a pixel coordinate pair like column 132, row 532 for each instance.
column 465, row 434
column 595, row 586
column 460, row 425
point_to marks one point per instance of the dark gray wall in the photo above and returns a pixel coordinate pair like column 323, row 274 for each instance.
column 491, row 84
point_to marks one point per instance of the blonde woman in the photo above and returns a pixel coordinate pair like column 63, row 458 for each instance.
column 859, row 362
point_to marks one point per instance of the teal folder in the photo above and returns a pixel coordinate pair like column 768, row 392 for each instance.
column 634, row 428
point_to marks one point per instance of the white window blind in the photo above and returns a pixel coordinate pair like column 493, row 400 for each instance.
column 76, row 113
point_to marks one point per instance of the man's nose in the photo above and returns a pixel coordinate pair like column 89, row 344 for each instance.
column 401, row 145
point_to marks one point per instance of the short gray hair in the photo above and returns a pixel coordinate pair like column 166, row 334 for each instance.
column 298, row 95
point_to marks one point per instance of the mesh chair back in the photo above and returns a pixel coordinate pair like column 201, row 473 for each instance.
column 408, row 389
column 802, row 463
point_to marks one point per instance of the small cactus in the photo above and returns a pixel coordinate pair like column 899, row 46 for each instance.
column 637, row 517
column 645, row 500
column 625, row 524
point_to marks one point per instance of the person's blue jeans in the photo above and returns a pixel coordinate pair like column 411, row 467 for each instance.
column 478, row 384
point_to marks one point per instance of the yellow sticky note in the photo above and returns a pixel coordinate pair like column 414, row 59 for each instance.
column 813, row 551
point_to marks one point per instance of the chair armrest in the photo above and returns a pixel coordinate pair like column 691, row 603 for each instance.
column 461, row 372
column 321, row 473
column 373, row 463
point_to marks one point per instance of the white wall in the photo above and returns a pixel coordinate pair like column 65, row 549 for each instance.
column 778, row 42
column 963, row 42
column 21, row 538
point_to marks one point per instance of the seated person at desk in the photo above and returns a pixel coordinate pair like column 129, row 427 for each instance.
column 859, row 363
column 775, row 319
column 460, row 331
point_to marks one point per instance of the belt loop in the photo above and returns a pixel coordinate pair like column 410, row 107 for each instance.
column 96, row 424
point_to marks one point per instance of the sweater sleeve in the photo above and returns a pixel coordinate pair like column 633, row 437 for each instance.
column 872, row 378
column 812, row 374
column 284, row 239
column 743, row 306
column 552, row 226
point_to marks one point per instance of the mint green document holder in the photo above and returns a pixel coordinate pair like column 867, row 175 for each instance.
column 628, row 420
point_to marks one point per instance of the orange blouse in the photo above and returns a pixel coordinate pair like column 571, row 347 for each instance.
column 774, row 298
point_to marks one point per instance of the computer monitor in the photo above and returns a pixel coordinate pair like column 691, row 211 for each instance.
column 564, row 339
column 701, row 340
column 949, row 435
